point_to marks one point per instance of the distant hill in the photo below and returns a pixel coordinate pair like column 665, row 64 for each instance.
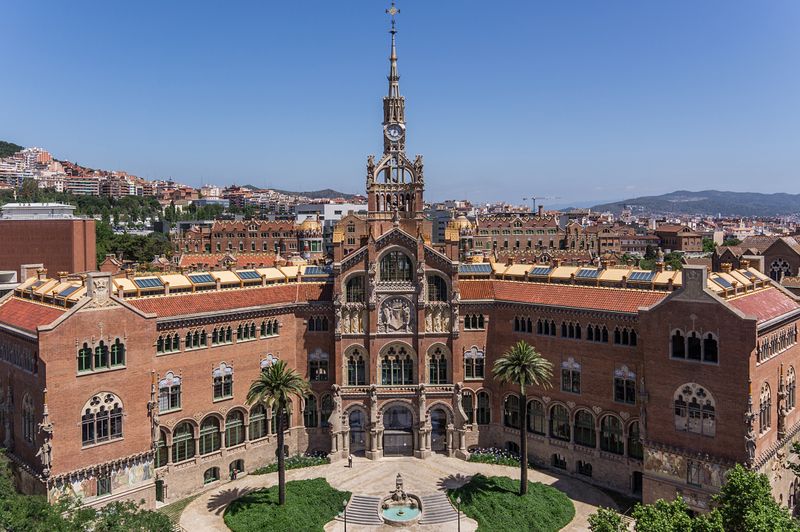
column 710, row 202
column 327, row 193
column 9, row 148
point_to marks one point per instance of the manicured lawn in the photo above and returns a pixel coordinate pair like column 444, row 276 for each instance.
column 309, row 505
column 294, row 462
column 493, row 502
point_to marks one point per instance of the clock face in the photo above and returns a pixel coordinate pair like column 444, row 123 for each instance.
column 394, row 132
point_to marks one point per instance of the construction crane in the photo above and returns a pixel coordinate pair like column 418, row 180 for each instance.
column 534, row 198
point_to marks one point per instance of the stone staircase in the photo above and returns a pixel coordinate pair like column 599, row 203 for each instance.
column 436, row 509
column 362, row 510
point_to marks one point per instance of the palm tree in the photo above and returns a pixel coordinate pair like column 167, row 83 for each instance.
column 522, row 365
column 273, row 388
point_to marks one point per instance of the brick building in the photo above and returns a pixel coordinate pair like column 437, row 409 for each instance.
column 48, row 234
column 679, row 238
column 662, row 380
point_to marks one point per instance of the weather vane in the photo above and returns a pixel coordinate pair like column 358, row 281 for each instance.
column 393, row 11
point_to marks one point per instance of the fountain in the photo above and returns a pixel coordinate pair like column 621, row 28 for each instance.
column 400, row 508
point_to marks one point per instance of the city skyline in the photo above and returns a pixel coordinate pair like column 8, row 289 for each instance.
column 590, row 114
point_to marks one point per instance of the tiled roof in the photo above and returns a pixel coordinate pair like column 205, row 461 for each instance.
column 28, row 315
column 760, row 243
column 214, row 301
column 215, row 260
column 765, row 305
column 572, row 296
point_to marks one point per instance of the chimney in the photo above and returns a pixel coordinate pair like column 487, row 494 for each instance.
column 744, row 264
column 556, row 262
column 725, row 267
column 604, row 264
column 541, row 211
column 41, row 273
column 28, row 270
column 509, row 260
column 659, row 267
column 62, row 277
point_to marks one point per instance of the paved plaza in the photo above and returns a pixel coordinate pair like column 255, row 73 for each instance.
column 377, row 478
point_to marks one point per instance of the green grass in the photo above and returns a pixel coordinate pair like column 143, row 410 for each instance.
column 294, row 462
column 309, row 505
column 495, row 504
column 173, row 511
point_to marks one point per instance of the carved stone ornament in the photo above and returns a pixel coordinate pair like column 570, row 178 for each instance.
column 99, row 289
column 596, row 410
column 571, row 404
column 624, row 416
column 546, row 399
column 395, row 315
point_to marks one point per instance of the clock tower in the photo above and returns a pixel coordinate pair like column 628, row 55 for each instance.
column 394, row 183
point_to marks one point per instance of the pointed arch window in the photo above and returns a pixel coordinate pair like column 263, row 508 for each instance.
column 584, row 429
column 102, row 419
column 536, row 418
column 117, row 353
column 28, row 419
column 678, row 345
column 396, row 267
column 356, row 369
column 791, row 388
column 318, row 365
column 694, row 410
column 437, row 288
column 101, row 356
column 310, row 419
column 397, row 366
column 474, row 362
column 484, row 411
column 222, row 382
column 765, row 408
column 354, row 292
column 559, row 423
column 85, row 358
column 169, row 393
column 611, row 435
column 437, row 367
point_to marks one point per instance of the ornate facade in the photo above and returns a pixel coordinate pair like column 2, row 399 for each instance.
column 662, row 380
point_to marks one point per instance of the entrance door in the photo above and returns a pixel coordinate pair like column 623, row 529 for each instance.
column 160, row 490
column 398, row 435
column 358, row 436
column 438, row 430
column 637, row 482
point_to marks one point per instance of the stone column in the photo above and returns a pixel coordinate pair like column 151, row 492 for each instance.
column 450, row 434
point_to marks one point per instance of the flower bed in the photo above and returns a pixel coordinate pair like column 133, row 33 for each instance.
column 494, row 455
column 296, row 462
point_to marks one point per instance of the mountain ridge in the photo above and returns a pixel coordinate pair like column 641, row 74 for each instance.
column 712, row 202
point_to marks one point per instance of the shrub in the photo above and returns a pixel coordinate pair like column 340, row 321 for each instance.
column 296, row 462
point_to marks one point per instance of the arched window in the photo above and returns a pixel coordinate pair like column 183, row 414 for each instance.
column 101, row 356
column 310, row 419
column 570, row 376
column 169, row 393
column 765, row 408
column 474, row 322
column 584, row 468
column 356, row 369
column 467, row 403
column 85, row 358
column 102, row 419
column 694, row 410
column 584, row 429
column 162, row 452
column 326, row 410
column 209, row 435
column 287, row 421
column 536, row 418
column 511, row 412
column 222, row 378
column 678, row 345
column 611, row 435
column 635, row 449
column 396, row 267
column 483, row 413
column 234, row 428
column 710, row 349
column 228, row 335
column 183, row 443
column 791, row 387
column 318, row 365
column 28, row 419
column 559, row 423
column 624, row 385
column 215, row 336
column 159, row 345
column 437, row 288
column 176, row 342
column 694, row 346
column 604, row 335
column 210, row 475
column 354, row 292
column 437, row 367
column 258, row 422
column 117, row 353
column 397, row 366
column 474, row 362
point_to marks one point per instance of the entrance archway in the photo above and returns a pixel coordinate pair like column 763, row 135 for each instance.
column 398, row 433
column 358, row 435
column 438, row 430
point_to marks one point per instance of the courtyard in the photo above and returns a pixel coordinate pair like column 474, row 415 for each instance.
column 370, row 479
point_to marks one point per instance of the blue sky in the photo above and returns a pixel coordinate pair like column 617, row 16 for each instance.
column 584, row 100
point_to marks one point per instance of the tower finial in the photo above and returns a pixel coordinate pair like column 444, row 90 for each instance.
column 394, row 77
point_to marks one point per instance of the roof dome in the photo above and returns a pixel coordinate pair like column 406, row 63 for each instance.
column 310, row 225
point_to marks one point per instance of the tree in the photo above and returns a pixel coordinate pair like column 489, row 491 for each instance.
column 745, row 503
column 664, row 516
column 606, row 520
column 731, row 241
column 273, row 388
column 523, row 365
column 708, row 245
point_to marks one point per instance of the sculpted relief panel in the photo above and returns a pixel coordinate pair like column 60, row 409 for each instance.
column 396, row 316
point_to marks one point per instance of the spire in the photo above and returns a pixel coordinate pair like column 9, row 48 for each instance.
column 394, row 77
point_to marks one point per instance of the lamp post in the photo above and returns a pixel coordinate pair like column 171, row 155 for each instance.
column 344, row 503
column 458, row 509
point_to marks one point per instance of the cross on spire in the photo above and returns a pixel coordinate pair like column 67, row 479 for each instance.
column 392, row 12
